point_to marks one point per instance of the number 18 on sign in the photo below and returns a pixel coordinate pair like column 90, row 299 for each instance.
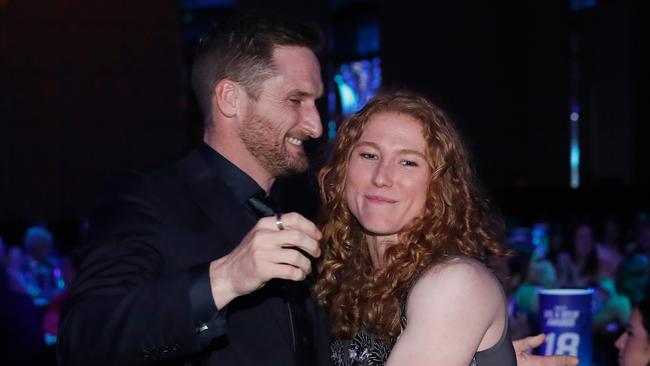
column 565, row 316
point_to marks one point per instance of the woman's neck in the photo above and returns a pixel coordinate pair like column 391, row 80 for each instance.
column 377, row 247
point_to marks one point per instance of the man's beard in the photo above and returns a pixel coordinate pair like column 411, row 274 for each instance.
column 267, row 144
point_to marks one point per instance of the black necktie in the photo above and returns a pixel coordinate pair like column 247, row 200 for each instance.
column 294, row 294
column 263, row 205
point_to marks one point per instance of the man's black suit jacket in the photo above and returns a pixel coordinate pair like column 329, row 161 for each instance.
column 130, row 302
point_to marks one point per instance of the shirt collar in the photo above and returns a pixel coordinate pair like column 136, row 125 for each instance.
column 239, row 183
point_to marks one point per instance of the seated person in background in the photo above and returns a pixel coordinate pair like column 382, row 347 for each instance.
column 41, row 272
column 608, row 249
column 406, row 234
column 634, row 345
column 15, row 270
column 579, row 267
column 614, row 310
column 541, row 275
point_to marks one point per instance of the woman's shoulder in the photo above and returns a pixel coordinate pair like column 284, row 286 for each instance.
column 460, row 279
column 456, row 299
column 457, row 270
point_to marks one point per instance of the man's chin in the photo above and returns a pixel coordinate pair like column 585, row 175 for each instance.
column 297, row 168
column 287, row 166
column 298, row 161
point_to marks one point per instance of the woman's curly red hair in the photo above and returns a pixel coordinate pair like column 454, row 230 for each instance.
column 456, row 222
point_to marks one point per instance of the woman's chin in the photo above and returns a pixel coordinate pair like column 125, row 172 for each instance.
column 380, row 229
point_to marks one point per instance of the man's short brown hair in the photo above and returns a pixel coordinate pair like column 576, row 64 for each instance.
column 241, row 49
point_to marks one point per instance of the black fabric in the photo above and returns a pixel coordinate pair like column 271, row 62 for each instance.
column 240, row 185
column 150, row 236
column 294, row 294
column 263, row 205
column 501, row 354
column 210, row 322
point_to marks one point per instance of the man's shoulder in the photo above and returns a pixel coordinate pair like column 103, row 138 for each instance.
column 189, row 165
column 154, row 182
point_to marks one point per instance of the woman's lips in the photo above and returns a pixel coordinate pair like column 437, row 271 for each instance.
column 379, row 199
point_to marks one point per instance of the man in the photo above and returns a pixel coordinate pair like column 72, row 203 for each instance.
column 181, row 269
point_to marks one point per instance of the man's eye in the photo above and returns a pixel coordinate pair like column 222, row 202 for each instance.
column 295, row 101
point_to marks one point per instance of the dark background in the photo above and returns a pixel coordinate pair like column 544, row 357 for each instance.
column 90, row 89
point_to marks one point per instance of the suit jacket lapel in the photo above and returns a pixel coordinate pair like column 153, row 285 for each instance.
column 210, row 193
column 212, row 196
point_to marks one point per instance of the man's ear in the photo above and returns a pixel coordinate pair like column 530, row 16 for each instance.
column 227, row 97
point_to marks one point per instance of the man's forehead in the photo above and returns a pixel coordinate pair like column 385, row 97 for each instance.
column 292, row 57
column 298, row 71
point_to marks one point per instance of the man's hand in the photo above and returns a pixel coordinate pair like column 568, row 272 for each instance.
column 523, row 346
column 266, row 252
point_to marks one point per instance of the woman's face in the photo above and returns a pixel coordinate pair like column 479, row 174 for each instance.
column 633, row 345
column 388, row 173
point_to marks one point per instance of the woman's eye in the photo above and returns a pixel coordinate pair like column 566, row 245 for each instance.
column 367, row 155
column 409, row 163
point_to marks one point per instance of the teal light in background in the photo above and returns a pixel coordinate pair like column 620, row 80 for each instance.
column 574, row 152
column 356, row 83
column 349, row 99
column 331, row 130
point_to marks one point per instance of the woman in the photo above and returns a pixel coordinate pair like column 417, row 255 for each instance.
column 634, row 345
column 405, row 236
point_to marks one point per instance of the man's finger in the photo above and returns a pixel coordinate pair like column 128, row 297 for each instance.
column 291, row 257
column 288, row 272
column 293, row 220
column 297, row 239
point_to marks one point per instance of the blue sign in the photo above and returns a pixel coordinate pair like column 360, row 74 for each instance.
column 565, row 317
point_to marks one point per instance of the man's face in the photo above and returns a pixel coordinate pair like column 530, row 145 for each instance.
column 285, row 114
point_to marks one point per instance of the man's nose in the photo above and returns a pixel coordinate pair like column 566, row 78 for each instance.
column 312, row 122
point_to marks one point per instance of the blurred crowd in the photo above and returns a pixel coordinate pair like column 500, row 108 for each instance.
column 614, row 263
column 34, row 280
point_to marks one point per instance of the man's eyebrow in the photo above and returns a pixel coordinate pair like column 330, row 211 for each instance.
column 304, row 94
